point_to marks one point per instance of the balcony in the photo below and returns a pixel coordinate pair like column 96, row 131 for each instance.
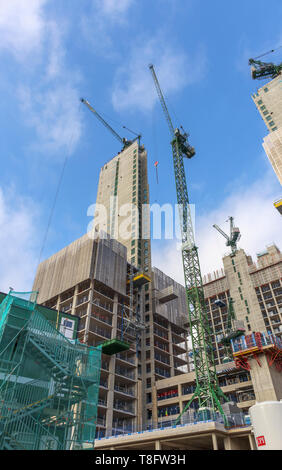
column 66, row 308
column 82, row 300
column 125, row 373
column 101, row 421
column 100, row 331
column 159, row 322
column 119, row 406
column 102, row 402
column 161, row 334
column 162, row 372
column 163, row 359
column 167, row 294
column 162, row 346
column 125, row 390
column 103, row 383
column 120, row 427
column 101, row 318
column 126, row 358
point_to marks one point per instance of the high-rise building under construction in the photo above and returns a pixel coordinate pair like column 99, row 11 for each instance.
column 122, row 192
column 268, row 100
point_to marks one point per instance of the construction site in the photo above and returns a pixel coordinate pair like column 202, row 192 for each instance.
column 108, row 352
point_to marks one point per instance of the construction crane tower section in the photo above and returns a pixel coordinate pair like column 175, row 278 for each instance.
column 234, row 236
column 207, row 391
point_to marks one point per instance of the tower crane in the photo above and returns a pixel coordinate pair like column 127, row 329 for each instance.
column 234, row 236
column 261, row 70
column 207, row 390
column 233, row 329
column 122, row 140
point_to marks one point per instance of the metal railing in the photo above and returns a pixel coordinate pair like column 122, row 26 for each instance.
column 123, row 407
column 125, row 373
column 125, row 390
column 251, row 341
column 237, row 420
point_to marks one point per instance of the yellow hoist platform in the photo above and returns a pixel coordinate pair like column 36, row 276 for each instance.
column 140, row 279
column 278, row 205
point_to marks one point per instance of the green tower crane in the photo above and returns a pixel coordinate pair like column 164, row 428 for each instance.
column 261, row 70
column 207, row 390
column 234, row 236
column 233, row 329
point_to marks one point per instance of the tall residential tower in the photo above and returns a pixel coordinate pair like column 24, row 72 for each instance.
column 268, row 100
column 122, row 191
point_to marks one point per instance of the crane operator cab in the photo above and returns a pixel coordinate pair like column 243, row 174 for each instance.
column 185, row 148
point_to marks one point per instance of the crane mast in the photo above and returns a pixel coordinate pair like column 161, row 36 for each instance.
column 207, row 390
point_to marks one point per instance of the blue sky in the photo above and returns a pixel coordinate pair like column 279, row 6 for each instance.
column 55, row 51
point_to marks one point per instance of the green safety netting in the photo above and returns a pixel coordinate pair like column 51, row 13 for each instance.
column 49, row 385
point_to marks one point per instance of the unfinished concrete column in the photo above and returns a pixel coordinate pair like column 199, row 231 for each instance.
column 88, row 314
column 267, row 380
column 58, row 302
column 139, row 405
column 171, row 360
column 179, row 386
column 227, row 443
column 154, row 404
column 158, row 445
column 252, row 442
column 214, row 442
column 74, row 299
column 111, row 379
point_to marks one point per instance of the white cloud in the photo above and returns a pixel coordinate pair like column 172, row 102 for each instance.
column 99, row 26
column 54, row 114
column 21, row 26
column 37, row 41
column 18, row 241
column 133, row 83
column 112, row 8
column 56, row 53
column 253, row 211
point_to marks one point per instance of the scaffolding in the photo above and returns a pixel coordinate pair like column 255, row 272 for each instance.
column 252, row 346
column 49, row 385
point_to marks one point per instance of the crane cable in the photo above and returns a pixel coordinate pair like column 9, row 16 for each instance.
column 68, row 153
column 155, row 145
column 269, row 52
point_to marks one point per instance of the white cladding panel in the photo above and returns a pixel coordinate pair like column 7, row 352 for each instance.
column 266, row 418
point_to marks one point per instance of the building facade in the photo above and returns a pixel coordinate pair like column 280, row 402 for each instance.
column 122, row 191
column 88, row 279
column 256, row 288
column 91, row 279
column 268, row 101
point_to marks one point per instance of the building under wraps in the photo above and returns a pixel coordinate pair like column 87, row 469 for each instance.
column 49, row 384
